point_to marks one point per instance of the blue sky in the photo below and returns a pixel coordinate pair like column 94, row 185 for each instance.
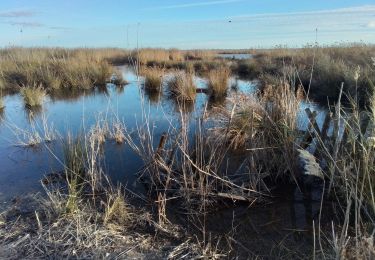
column 185, row 24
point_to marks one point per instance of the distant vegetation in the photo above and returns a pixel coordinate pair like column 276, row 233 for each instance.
column 320, row 70
column 55, row 68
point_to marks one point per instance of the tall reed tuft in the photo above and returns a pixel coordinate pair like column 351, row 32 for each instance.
column 182, row 87
column 153, row 78
column 218, row 82
column 74, row 161
column 33, row 96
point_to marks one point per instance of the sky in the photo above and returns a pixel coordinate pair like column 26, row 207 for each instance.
column 186, row 24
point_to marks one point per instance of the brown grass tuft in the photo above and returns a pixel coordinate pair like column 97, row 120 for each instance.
column 182, row 87
column 218, row 82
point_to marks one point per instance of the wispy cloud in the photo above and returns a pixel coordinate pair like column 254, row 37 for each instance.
column 63, row 28
column 17, row 14
column 348, row 10
column 196, row 4
column 267, row 29
column 25, row 24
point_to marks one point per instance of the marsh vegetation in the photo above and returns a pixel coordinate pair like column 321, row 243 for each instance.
column 139, row 174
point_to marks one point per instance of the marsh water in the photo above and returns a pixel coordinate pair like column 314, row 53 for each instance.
column 22, row 168
column 235, row 56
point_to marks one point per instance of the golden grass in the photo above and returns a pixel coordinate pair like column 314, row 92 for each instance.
column 319, row 69
column 33, row 96
column 241, row 123
column 153, row 78
column 182, row 87
column 218, row 82
column 53, row 68
column 148, row 55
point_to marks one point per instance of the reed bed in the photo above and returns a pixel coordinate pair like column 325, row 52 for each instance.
column 150, row 56
column 181, row 86
column 319, row 69
column 218, row 82
column 53, row 68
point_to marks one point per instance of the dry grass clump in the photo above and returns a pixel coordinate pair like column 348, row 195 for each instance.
column 241, row 123
column 118, row 132
column 33, row 96
column 266, row 125
column 153, row 78
column 218, row 82
column 285, row 103
column 75, row 171
column 182, row 87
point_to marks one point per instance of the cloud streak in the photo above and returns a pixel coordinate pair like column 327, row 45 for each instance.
column 196, row 4
column 368, row 9
column 17, row 14
column 268, row 29
column 25, row 24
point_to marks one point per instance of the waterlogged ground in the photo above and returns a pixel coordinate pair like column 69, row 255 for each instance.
column 22, row 168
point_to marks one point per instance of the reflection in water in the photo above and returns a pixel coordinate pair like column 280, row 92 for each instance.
column 215, row 102
column 2, row 114
column 185, row 107
column 285, row 223
column 32, row 113
column 102, row 89
column 120, row 89
column 69, row 94
column 153, row 96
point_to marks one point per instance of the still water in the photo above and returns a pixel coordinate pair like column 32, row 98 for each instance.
column 75, row 112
